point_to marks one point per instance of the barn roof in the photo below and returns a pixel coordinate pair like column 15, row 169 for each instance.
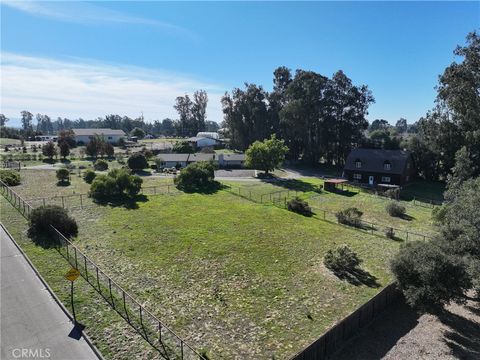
column 373, row 160
column 100, row 131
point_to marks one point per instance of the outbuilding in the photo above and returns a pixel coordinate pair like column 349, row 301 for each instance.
column 112, row 136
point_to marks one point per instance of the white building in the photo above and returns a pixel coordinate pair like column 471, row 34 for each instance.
column 112, row 136
column 205, row 139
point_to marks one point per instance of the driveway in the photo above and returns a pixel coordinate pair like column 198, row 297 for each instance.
column 32, row 324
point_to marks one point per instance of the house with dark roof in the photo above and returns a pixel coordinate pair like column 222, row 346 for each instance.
column 378, row 166
column 112, row 136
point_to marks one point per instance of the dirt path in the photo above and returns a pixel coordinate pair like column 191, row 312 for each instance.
column 400, row 334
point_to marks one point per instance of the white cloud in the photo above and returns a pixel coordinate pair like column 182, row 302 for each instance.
column 87, row 89
column 86, row 13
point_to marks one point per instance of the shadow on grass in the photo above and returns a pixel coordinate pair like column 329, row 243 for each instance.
column 292, row 184
column 407, row 217
column 463, row 336
column 142, row 173
column 357, row 276
column 63, row 183
column 346, row 193
column 44, row 241
column 205, row 190
column 127, row 202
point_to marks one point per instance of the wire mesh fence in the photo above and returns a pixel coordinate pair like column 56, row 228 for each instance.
column 159, row 335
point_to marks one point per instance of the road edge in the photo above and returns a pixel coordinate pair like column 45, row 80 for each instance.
column 54, row 296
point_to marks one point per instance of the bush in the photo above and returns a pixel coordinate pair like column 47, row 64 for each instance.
column 89, row 176
column 116, row 183
column 42, row 217
column 63, row 175
column 341, row 259
column 183, row 147
column 351, row 216
column 10, row 177
column 300, row 207
column 137, row 162
column 428, row 277
column 198, row 176
column 395, row 209
column 393, row 193
column 109, row 150
column 100, row 165
column 390, row 233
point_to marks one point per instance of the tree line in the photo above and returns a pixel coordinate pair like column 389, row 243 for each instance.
column 192, row 119
column 317, row 117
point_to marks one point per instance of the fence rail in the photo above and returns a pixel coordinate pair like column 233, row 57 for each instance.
column 83, row 200
column 338, row 335
column 159, row 335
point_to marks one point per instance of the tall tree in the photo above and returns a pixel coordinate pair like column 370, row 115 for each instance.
column 401, row 126
column 3, row 120
column 27, row 118
column 199, row 110
column 183, row 105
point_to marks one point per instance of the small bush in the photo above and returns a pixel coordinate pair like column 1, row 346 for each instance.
column 351, row 216
column 117, row 183
column 89, row 176
column 341, row 259
column 300, row 207
column 198, row 176
column 390, row 233
column 100, row 165
column 63, row 175
column 42, row 217
column 137, row 162
column 10, row 177
column 395, row 209
column 393, row 193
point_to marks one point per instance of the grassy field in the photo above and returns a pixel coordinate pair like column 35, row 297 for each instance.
column 5, row 141
column 110, row 333
column 236, row 278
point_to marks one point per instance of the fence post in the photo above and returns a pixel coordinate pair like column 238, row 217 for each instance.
column 81, row 201
column 86, row 269
column 181, row 348
column 125, row 306
column 110, row 289
column 76, row 261
column 63, row 202
column 43, row 201
column 98, row 280
column 159, row 332
column 407, row 237
column 141, row 316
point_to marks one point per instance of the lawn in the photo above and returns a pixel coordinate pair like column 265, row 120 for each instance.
column 110, row 333
column 6, row 141
column 236, row 278
column 418, row 219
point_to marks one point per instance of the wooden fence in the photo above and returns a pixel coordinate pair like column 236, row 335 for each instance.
column 343, row 331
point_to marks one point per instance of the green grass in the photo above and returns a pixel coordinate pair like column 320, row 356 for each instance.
column 6, row 141
column 110, row 333
column 231, row 276
column 418, row 219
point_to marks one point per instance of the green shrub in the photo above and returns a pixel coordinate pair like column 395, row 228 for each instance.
column 198, row 176
column 137, row 162
column 428, row 277
column 42, row 217
column 300, row 207
column 117, row 183
column 183, row 147
column 63, row 175
column 350, row 216
column 89, row 176
column 10, row 177
column 341, row 259
column 100, row 165
column 395, row 209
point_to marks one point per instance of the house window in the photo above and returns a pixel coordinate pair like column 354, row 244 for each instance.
column 387, row 165
column 109, row 138
column 358, row 164
column 357, row 176
column 386, row 179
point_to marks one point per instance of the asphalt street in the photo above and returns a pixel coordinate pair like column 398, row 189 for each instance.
column 33, row 326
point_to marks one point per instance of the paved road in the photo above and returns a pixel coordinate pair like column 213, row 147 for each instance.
column 30, row 317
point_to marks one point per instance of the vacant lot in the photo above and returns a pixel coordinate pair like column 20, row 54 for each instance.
column 231, row 276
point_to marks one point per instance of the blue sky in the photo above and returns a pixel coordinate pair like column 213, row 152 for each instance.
column 90, row 59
